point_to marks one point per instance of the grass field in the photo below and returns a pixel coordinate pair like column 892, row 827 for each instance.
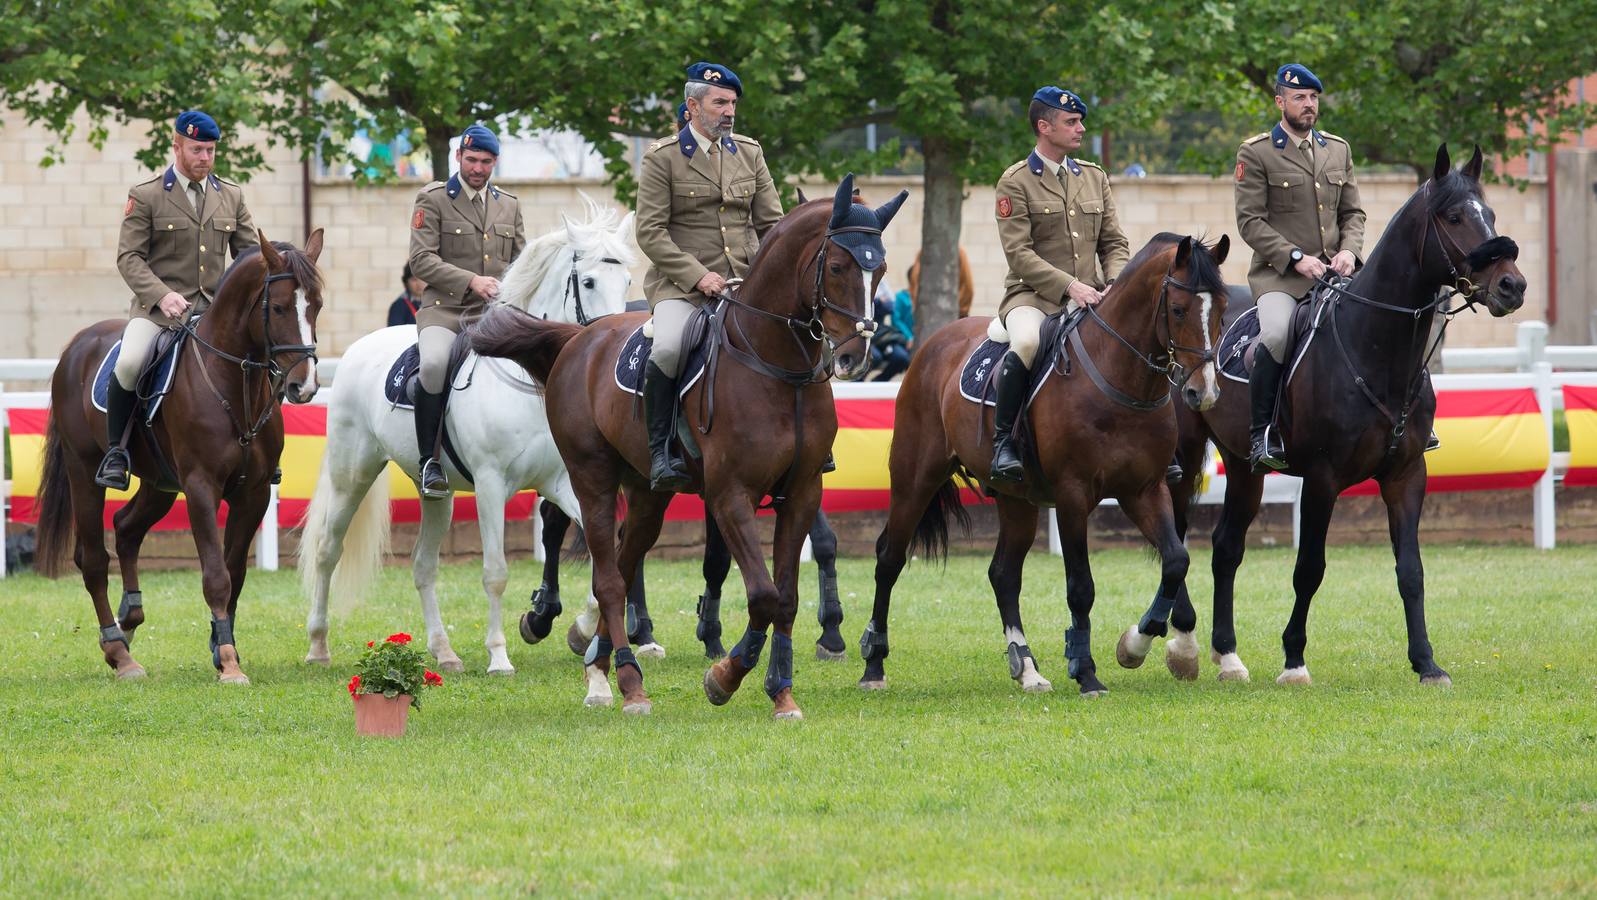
column 949, row 782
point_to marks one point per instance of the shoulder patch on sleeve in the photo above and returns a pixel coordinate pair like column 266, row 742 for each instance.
column 1005, row 207
column 1241, row 167
column 419, row 219
column 128, row 209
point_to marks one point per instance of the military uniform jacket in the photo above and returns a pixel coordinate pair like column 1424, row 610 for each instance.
column 1055, row 233
column 692, row 220
column 166, row 245
column 1286, row 203
column 449, row 245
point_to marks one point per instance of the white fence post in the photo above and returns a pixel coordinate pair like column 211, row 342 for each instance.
column 1543, row 505
column 1531, row 340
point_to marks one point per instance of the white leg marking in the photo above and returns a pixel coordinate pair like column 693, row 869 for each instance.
column 1231, row 668
column 1137, row 643
column 588, row 619
column 598, row 687
column 1030, row 680
column 1299, row 675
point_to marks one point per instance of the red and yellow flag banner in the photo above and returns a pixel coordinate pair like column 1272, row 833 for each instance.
column 1580, row 414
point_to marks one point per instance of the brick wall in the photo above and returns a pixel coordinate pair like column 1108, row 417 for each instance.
column 58, row 232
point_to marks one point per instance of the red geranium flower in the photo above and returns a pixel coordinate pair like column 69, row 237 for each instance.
column 369, row 643
column 354, row 685
column 432, row 678
column 400, row 638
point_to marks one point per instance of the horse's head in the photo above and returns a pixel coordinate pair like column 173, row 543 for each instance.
column 576, row 273
column 1475, row 257
column 285, row 327
column 849, row 264
column 1194, row 302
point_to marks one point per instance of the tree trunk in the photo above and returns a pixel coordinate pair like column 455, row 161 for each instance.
column 937, row 302
column 438, row 148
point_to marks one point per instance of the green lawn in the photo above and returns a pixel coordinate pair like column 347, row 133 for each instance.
column 949, row 782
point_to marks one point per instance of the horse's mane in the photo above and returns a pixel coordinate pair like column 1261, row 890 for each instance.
column 1205, row 272
column 790, row 220
column 302, row 267
column 597, row 236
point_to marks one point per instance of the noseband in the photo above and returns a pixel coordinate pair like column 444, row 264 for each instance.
column 1163, row 362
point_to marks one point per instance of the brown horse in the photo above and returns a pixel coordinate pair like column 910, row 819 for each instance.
column 763, row 427
column 1100, row 426
column 1360, row 405
column 219, row 433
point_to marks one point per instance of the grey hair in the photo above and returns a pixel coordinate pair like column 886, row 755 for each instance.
column 695, row 90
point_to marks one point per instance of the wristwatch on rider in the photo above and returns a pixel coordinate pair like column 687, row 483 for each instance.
column 1297, row 256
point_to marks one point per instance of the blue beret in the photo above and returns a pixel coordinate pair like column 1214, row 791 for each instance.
column 197, row 125
column 479, row 138
column 720, row 76
column 1293, row 75
column 1059, row 98
column 682, row 113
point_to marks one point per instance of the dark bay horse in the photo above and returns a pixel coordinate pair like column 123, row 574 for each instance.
column 219, row 432
column 1103, row 428
column 802, row 315
column 1359, row 405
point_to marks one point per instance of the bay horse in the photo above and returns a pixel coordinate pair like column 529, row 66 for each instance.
column 1100, row 426
column 498, row 432
column 219, row 434
column 1359, row 405
column 801, row 316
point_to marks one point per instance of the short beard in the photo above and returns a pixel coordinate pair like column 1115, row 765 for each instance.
column 1303, row 124
column 717, row 130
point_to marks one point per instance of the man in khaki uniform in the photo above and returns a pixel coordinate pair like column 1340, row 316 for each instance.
column 1298, row 208
column 1060, row 233
column 177, row 231
column 464, row 233
column 704, row 200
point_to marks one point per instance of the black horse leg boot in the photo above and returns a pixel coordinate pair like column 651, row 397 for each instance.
column 1013, row 379
column 429, row 417
column 1265, row 452
column 113, row 471
column 666, row 471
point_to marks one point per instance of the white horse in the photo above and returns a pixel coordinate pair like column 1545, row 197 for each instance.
column 496, row 422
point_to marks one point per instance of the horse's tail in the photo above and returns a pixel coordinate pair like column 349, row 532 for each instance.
column 55, row 530
column 533, row 343
column 931, row 532
column 365, row 542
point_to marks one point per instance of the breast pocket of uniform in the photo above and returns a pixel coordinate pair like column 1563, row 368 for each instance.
column 1047, row 222
column 1285, row 188
column 504, row 241
column 686, row 195
column 457, row 238
column 172, row 226
column 225, row 226
column 742, row 190
column 1091, row 217
column 1336, row 179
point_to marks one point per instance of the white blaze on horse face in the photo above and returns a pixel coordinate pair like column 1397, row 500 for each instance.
column 301, row 308
column 1210, row 382
column 1480, row 213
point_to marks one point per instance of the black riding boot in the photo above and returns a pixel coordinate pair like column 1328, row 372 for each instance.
column 429, row 418
column 1013, row 379
column 1265, row 452
column 667, row 472
column 119, row 404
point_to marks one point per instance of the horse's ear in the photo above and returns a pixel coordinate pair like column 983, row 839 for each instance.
column 1443, row 163
column 1183, row 252
column 313, row 245
column 843, row 201
column 1222, row 247
column 565, row 222
column 802, row 199
column 274, row 260
column 1473, row 167
column 888, row 210
column 625, row 228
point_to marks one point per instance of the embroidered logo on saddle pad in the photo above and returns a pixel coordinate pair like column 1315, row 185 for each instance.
column 154, row 382
column 634, row 359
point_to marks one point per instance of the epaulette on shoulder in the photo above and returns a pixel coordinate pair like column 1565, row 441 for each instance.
column 1333, row 137
column 157, row 178
column 1089, row 164
column 1261, row 136
column 227, row 181
column 505, row 193
column 745, row 139
column 668, row 141
column 432, row 186
column 1013, row 169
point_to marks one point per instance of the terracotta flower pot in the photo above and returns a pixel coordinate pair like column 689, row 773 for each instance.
column 378, row 716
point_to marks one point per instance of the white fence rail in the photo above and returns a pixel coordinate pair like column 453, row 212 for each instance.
column 1530, row 363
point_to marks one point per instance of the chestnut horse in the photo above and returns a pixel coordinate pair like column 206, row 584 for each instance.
column 1100, row 426
column 763, row 427
column 219, row 431
column 1360, row 405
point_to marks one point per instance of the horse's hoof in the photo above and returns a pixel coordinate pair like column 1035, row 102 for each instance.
column 502, row 673
column 1440, row 679
column 788, row 715
column 576, row 640
column 717, row 695
column 785, row 708
column 1231, row 668
column 1126, row 654
column 134, row 672
column 638, row 707
column 1040, row 686
column 528, row 634
column 235, row 678
column 452, row 664
column 312, row 659
column 867, row 684
column 1094, row 693
column 594, row 700
column 825, row 655
column 650, row 650
column 1181, row 656
column 1299, row 675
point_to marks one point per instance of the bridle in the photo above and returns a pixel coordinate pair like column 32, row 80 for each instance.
column 811, row 329
column 1163, row 361
column 275, row 373
column 574, row 288
column 1458, row 285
